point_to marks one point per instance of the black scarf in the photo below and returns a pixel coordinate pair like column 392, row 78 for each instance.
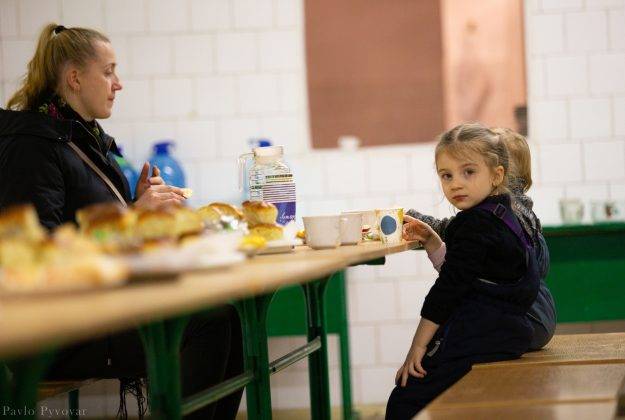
column 57, row 108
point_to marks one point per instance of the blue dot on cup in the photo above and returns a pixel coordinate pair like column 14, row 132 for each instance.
column 388, row 225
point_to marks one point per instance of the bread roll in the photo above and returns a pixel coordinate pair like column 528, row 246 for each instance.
column 268, row 231
column 105, row 217
column 227, row 210
column 209, row 214
column 188, row 221
column 259, row 213
column 156, row 224
column 21, row 222
column 110, row 225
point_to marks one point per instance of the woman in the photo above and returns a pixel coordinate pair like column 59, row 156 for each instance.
column 54, row 154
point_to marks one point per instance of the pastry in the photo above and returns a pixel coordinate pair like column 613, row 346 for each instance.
column 22, row 222
column 270, row 232
column 227, row 210
column 259, row 212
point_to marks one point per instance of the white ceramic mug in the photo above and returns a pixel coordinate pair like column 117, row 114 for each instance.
column 571, row 210
column 368, row 218
column 390, row 223
column 323, row 231
column 351, row 228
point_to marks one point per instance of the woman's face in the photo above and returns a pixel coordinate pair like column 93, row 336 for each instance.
column 99, row 82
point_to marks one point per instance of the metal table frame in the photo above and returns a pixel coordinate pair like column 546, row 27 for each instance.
column 161, row 340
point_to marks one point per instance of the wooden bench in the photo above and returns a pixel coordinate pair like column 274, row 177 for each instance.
column 573, row 349
column 593, row 410
column 575, row 376
column 49, row 389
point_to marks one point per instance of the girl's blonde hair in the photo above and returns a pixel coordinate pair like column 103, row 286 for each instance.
column 466, row 140
column 520, row 178
column 57, row 46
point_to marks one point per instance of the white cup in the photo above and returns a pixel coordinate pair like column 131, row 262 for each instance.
column 368, row 218
column 390, row 223
column 571, row 210
column 323, row 231
column 351, row 228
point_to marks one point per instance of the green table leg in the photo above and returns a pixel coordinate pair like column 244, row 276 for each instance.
column 253, row 314
column 346, row 385
column 74, row 404
column 318, row 361
column 161, row 342
column 18, row 386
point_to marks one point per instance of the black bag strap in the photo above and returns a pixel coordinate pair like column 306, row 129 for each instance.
column 97, row 170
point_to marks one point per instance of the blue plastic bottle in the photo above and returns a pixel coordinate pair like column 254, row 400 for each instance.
column 171, row 171
column 129, row 172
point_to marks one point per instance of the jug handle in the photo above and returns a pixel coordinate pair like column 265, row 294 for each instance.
column 241, row 160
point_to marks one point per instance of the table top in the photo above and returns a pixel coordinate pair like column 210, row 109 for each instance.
column 30, row 324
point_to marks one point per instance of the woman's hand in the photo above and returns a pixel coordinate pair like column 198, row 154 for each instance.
column 412, row 365
column 416, row 230
column 153, row 192
column 145, row 180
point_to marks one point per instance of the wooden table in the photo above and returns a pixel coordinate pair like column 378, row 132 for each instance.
column 33, row 327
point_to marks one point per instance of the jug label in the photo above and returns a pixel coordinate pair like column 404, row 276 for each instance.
column 275, row 188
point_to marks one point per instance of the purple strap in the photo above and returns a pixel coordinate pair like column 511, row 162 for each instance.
column 509, row 219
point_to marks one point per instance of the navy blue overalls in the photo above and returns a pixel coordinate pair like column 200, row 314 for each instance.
column 489, row 325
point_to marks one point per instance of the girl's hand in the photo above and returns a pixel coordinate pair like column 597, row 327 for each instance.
column 416, row 230
column 412, row 365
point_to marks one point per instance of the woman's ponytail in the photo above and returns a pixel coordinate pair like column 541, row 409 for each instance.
column 56, row 47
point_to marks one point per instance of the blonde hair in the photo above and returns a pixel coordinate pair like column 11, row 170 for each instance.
column 57, row 46
column 466, row 140
column 520, row 178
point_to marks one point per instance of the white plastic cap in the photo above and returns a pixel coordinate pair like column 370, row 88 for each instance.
column 269, row 151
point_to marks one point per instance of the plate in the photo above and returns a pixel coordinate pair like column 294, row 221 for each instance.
column 280, row 246
column 158, row 265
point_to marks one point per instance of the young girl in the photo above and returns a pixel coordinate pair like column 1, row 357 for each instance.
column 475, row 312
column 542, row 313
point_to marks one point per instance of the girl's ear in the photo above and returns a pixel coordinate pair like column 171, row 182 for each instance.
column 498, row 174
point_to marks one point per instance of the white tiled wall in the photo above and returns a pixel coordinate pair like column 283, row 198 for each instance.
column 213, row 73
column 576, row 72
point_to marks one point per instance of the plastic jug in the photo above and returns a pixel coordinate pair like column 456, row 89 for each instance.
column 252, row 143
column 171, row 171
column 127, row 169
column 270, row 180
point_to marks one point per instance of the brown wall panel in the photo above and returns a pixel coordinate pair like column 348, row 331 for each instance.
column 374, row 70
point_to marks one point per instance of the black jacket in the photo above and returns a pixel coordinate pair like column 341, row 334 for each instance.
column 37, row 166
column 478, row 246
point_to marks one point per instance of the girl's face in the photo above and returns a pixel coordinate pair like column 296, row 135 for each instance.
column 98, row 83
column 467, row 182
